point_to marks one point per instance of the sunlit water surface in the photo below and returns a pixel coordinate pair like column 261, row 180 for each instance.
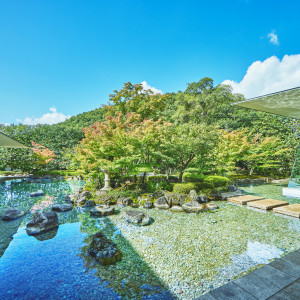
column 178, row 256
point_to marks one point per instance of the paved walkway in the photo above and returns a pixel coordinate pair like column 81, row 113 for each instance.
column 278, row 280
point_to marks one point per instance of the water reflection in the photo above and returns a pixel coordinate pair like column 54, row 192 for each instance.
column 130, row 278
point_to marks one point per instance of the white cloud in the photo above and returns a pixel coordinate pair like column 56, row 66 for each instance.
column 273, row 38
column 269, row 76
column 146, row 86
column 49, row 118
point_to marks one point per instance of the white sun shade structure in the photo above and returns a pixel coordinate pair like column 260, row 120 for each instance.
column 8, row 142
column 285, row 103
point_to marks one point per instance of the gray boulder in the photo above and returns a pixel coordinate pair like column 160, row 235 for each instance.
column 162, row 203
column 193, row 207
column 193, row 195
column 158, row 194
column 85, row 194
column 42, row 221
column 233, row 188
column 102, row 211
column 148, row 204
column 137, row 217
column 89, row 203
column 12, row 214
column 37, row 193
column 216, row 195
column 104, row 250
column 211, row 206
column 199, row 198
column 70, row 198
column 175, row 199
column 124, row 201
column 62, row 207
column 177, row 208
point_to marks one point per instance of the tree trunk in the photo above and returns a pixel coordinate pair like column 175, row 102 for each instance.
column 180, row 176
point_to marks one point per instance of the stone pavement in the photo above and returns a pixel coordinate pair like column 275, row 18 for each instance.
column 278, row 280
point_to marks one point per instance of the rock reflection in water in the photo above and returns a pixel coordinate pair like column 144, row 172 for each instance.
column 47, row 235
column 128, row 277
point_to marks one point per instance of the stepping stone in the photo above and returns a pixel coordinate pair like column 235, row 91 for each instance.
column 242, row 200
column 225, row 196
column 267, row 204
column 292, row 210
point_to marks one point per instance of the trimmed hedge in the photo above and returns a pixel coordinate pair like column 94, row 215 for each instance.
column 193, row 177
column 217, row 181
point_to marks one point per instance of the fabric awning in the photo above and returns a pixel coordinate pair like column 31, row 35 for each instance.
column 284, row 103
column 7, row 142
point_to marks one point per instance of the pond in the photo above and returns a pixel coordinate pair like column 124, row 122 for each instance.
column 178, row 256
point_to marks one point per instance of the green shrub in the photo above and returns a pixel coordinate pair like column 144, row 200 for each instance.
column 184, row 188
column 204, row 186
column 192, row 177
column 217, row 181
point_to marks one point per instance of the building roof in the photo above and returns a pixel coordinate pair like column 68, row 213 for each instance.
column 284, row 103
column 7, row 142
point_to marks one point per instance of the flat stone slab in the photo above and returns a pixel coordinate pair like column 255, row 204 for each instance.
column 230, row 194
column 267, row 204
column 231, row 291
column 257, row 286
column 292, row 210
column 243, row 200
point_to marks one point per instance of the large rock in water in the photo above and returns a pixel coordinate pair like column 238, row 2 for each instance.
column 62, row 207
column 102, row 211
column 42, row 221
column 104, row 250
column 37, row 193
column 12, row 214
column 137, row 217
column 175, row 199
column 193, row 207
column 162, row 203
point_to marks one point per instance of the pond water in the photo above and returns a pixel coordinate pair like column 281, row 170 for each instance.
column 178, row 256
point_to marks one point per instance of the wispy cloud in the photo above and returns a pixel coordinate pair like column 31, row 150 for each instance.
column 268, row 76
column 273, row 38
column 146, row 86
column 48, row 118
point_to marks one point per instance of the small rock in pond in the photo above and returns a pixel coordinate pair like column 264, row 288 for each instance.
column 42, row 221
column 37, row 193
column 212, row 206
column 104, row 250
column 89, row 203
column 137, row 217
column 193, row 207
column 177, row 208
column 102, row 210
column 148, row 204
column 12, row 214
column 62, row 207
column 162, row 203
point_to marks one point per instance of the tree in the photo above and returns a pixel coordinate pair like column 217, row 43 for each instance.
column 187, row 143
column 243, row 151
column 133, row 98
column 121, row 143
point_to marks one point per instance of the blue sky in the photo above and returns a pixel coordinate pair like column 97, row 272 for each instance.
column 70, row 55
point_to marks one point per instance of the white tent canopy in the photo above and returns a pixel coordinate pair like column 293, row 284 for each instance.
column 284, row 103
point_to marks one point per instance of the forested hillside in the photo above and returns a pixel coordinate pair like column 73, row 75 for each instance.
column 205, row 131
